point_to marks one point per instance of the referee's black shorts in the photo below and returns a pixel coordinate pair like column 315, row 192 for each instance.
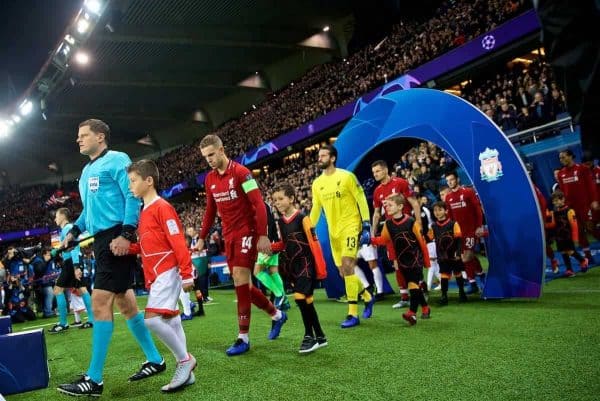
column 113, row 273
column 66, row 278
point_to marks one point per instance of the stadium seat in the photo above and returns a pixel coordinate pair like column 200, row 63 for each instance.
column 18, row 373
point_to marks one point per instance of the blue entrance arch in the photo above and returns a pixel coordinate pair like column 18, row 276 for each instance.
column 515, row 245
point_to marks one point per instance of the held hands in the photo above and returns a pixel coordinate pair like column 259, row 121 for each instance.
column 120, row 246
column 187, row 287
column 365, row 235
column 264, row 245
column 78, row 273
column 199, row 245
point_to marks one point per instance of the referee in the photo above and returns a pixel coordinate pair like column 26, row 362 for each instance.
column 110, row 213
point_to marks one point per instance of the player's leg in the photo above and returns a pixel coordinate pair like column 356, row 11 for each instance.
column 186, row 304
column 61, row 305
column 445, row 271
column 281, row 301
column 162, row 318
column 402, row 286
column 567, row 261
column 261, row 272
column 434, row 269
column 583, row 218
column 458, row 268
column 66, row 279
column 87, row 301
column 368, row 254
column 103, row 298
column 468, row 258
column 583, row 261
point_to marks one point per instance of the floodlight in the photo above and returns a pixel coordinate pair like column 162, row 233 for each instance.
column 82, row 58
column 93, row 6
column 25, row 107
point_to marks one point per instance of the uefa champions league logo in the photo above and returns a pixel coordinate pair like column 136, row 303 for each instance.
column 488, row 42
column 491, row 168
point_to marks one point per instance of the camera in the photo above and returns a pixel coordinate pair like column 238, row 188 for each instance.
column 27, row 252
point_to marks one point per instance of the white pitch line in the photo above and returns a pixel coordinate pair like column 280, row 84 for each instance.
column 52, row 324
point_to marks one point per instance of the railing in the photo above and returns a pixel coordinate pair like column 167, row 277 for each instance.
column 532, row 134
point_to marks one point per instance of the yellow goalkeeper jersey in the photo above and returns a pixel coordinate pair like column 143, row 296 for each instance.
column 343, row 200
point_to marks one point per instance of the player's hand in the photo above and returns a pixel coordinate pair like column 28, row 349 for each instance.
column 595, row 205
column 479, row 232
column 187, row 287
column 78, row 273
column 365, row 235
column 120, row 246
column 199, row 245
column 68, row 238
column 264, row 245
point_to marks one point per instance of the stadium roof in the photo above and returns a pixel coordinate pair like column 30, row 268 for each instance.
column 152, row 66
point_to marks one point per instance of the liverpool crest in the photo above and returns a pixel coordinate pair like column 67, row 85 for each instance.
column 491, row 168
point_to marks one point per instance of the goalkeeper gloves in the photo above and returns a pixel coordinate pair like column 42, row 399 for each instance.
column 365, row 235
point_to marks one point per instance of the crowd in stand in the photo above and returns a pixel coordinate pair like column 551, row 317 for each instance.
column 329, row 86
column 521, row 97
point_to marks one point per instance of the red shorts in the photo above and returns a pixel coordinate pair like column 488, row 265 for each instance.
column 240, row 250
column 468, row 240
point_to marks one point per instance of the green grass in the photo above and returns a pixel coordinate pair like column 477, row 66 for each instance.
column 544, row 349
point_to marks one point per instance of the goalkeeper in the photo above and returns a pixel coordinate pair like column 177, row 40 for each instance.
column 341, row 196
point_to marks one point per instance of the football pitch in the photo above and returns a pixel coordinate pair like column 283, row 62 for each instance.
column 546, row 349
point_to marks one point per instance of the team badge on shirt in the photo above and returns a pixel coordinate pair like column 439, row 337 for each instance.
column 94, row 183
column 172, row 226
column 491, row 168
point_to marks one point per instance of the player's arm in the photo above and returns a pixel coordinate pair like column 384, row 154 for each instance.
column 422, row 244
column 173, row 229
column 209, row 214
column 315, row 248
column 477, row 208
column 550, row 222
column 457, row 238
column 414, row 203
column 358, row 194
column 383, row 240
column 376, row 218
column 132, row 205
column 590, row 185
column 573, row 223
column 250, row 188
column 315, row 210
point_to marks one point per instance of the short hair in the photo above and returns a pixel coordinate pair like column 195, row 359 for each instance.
column 398, row 199
column 145, row 168
column 97, row 127
column 287, row 189
column 46, row 250
column 558, row 194
column 211, row 140
column 441, row 205
column 568, row 152
column 332, row 151
column 381, row 163
column 449, row 173
column 65, row 212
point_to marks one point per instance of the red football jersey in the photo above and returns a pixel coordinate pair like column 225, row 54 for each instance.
column 596, row 175
column 579, row 188
column 161, row 242
column 541, row 200
column 464, row 208
column 242, row 210
column 396, row 185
